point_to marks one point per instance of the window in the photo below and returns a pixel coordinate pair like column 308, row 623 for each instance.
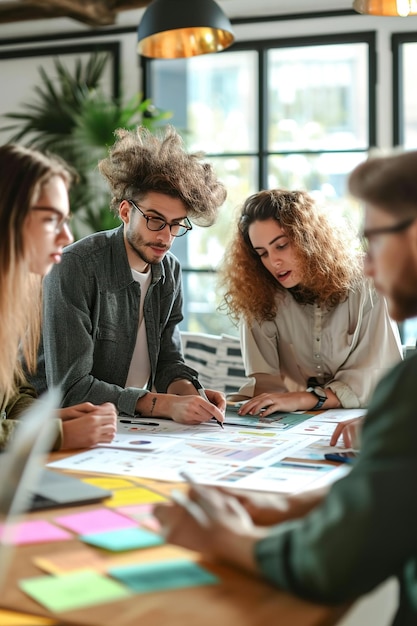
column 405, row 121
column 293, row 113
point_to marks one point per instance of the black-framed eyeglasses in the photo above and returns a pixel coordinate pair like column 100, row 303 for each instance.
column 177, row 229
column 385, row 230
column 56, row 221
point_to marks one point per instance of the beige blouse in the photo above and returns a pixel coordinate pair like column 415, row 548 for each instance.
column 347, row 348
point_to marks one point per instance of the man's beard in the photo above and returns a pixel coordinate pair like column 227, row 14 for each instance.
column 402, row 305
column 139, row 246
column 402, row 299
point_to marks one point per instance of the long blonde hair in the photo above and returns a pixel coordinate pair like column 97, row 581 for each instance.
column 24, row 172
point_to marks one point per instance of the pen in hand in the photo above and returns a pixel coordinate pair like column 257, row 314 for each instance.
column 202, row 393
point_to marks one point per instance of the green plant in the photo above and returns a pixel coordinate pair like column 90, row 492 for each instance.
column 72, row 117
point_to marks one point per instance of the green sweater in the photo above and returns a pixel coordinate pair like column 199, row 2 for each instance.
column 365, row 531
column 12, row 410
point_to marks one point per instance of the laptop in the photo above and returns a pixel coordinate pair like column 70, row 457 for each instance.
column 26, row 484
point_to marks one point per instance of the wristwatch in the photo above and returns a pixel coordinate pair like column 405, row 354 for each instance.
column 321, row 396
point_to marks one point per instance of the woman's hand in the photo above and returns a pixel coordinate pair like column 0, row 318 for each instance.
column 266, row 403
column 85, row 425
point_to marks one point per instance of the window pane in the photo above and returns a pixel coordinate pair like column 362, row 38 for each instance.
column 200, row 306
column 213, row 99
column 318, row 97
column 409, row 94
column 324, row 176
column 203, row 247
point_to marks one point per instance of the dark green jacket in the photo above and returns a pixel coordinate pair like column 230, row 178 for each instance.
column 12, row 410
column 365, row 531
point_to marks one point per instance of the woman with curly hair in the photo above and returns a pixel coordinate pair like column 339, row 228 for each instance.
column 314, row 332
column 34, row 215
column 113, row 305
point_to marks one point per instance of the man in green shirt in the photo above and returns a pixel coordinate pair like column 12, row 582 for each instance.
column 333, row 547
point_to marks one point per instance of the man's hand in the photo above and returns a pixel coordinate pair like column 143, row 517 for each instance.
column 195, row 409
column 183, row 404
column 350, row 431
column 268, row 509
column 213, row 523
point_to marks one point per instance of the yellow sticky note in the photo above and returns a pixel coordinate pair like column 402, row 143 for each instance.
column 136, row 495
column 108, row 482
column 10, row 618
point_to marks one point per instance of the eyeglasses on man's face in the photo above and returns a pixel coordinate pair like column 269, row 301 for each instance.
column 177, row 229
column 370, row 234
column 54, row 221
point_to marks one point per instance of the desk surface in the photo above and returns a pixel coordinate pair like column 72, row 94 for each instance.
column 238, row 599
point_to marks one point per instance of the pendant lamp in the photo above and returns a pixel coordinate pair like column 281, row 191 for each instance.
column 172, row 29
column 401, row 8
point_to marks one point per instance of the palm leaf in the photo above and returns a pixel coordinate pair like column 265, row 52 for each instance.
column 73, row 118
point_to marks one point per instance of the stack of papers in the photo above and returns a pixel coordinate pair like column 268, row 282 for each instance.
column 217, row 358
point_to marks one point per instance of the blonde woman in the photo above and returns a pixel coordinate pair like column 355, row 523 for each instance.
column 34, row 228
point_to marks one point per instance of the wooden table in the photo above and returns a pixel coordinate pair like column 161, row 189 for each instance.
column 239, row 599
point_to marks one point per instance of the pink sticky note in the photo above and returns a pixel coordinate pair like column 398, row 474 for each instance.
column 99, row 520
column 36, row 531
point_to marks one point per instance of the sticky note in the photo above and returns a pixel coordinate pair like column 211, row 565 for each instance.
column 35, row 531
column 137, row 495
column 108, row 482
column 11, row 618
column 143, row 514
column 71, row 591
column 65, row 562
column 162, row 575
column 98, row 520
column 125, row 539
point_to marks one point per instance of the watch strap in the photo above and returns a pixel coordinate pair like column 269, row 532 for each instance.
column 320, row 399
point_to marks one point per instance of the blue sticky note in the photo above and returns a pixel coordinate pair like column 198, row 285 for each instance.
column 123, row 539
column 173, row 574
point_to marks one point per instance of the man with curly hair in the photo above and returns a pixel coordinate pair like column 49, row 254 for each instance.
column 113, row 305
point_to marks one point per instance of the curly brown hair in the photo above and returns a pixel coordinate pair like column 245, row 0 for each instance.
column 140, row 162
column 331, row 262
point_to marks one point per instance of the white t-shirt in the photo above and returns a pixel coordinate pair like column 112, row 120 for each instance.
column 140, row 367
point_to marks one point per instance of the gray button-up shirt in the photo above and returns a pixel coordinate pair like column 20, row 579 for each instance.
column 91, row 311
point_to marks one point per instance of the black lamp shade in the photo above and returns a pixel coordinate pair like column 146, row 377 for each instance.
column 172, row 29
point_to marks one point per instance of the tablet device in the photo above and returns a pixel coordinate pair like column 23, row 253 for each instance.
column 21, row 466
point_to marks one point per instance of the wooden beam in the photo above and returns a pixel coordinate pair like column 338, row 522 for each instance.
column 91, row 12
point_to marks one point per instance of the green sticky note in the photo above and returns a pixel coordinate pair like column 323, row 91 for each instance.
column 72, row 591
column 124, row 539
column 174, row 574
